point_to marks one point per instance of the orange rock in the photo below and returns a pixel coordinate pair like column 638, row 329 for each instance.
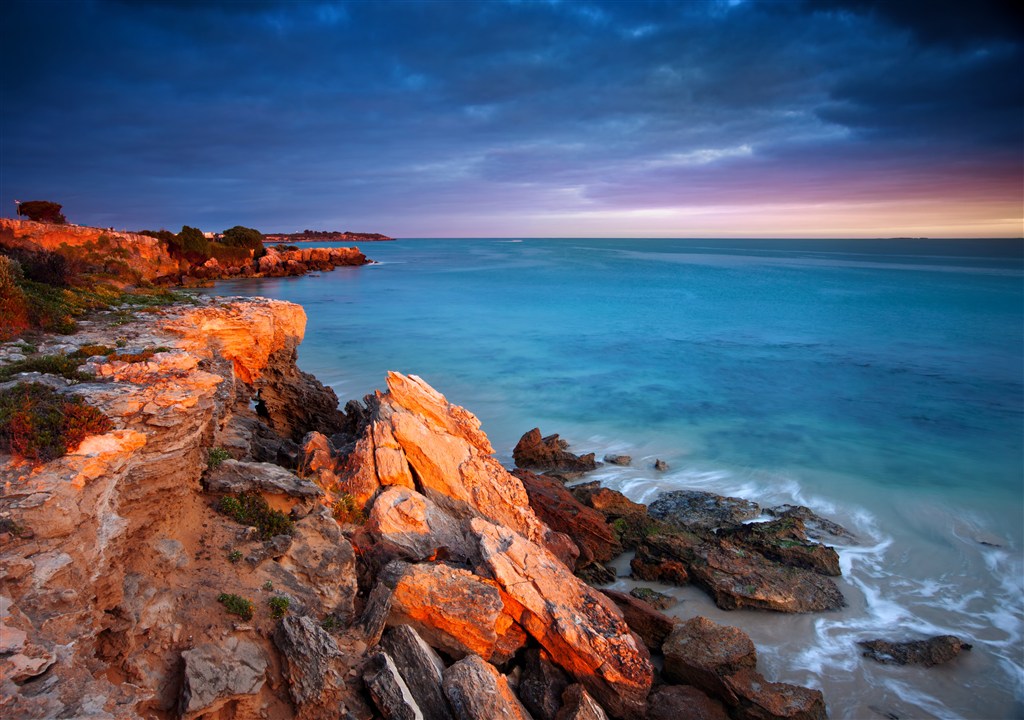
column 579, row 626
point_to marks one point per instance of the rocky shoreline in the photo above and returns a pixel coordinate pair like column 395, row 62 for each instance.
column 237, row 546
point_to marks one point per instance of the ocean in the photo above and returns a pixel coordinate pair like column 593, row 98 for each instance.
column 878, row 382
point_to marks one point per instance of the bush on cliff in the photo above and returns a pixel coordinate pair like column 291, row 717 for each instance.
column 13, row 303
column 240, row 236
column 42, row 211
column 192, row 242
column 39, row 423
column 253, row 510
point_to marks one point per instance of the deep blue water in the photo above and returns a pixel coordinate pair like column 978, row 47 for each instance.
column 880, row 381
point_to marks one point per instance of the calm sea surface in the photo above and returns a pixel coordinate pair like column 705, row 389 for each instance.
column 878, row 382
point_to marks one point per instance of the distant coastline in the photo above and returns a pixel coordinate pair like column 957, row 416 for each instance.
column 326, row 236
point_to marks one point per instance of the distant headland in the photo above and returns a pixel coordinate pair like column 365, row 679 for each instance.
column 326, row 236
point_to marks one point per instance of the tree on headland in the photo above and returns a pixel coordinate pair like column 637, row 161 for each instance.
column 240, row 236
column 192, row 241
column 42, row 211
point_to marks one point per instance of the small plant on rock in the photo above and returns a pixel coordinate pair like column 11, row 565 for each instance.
column 268, row 586
column 39, row 423
column 253, row 510
column 278, row 606
column 347, row 510
column 236, row 605
column 216, row 456
column 234, row 556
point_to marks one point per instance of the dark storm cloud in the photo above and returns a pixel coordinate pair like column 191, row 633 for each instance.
column 286, row 115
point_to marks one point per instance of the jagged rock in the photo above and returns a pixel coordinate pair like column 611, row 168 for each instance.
column 295, row 402
column 657, row 600
column 813, row 523
column 734, row 576
column 700, row 652
column 233, row 476
column 246, row 437
column 415, row 437
column 697, row 509
column 578, row 705
column 676, row 702
column 420, row 667
column 541, row 684
column 375, row 615
column 785, row 541
column 562, row 512
column 548, row 454
column 596, row 574
column 316, row 670
column 216, row 674
column 455, row 611
column 618, row 459
column 321, row 565
column 610, row 503
column 388, row 690
column 652, row 626
column 477, row 691
column 758, row 699
column 933, row 651
column 20, row 659
column 660, row 465
column 409, row 526
column 580, row 627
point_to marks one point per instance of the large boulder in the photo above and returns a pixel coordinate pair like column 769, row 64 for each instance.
column 549, row 454
column 933, row 651
column 698, row 509
column 578, row 705
column 409, row 526
column 541, row 684
column 814, row 524
column 758, row 699
column 232, row 671
column 562, row 512
column 700, row 652
column 477, row 691
column 316, row 668
column 675, row 702
column 580, row 627
column 455, row 611
column 388, row 689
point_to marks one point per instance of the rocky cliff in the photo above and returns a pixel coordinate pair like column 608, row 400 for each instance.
column 236, row 547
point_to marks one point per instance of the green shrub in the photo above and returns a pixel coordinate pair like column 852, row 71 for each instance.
column 192, row 241
column 63, row 365
column 216, row 456
column 236, row 605
column 229, row 253
column 234, row 556
column 278, row 606
column 253, row 510
column 87, row 351
column 42, row 211
column 346, row 510
column 39, row 423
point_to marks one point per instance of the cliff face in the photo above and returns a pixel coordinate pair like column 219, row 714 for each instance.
column 141, row 254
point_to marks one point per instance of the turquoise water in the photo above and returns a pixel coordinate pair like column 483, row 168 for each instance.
column 877, row 381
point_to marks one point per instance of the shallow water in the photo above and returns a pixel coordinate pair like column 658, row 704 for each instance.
column 879, row 383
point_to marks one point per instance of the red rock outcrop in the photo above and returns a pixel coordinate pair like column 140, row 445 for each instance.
column 549, row 454
column 581, row 628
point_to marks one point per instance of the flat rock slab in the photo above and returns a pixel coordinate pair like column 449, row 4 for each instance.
column 235, row 476
column 421, row 668
column 700, row 652
column 695, row 508
column 676, row 702
column 217, row 674
column 933, row 651
column 388, row 690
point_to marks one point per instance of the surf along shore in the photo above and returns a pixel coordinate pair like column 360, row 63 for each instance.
column 226, row 542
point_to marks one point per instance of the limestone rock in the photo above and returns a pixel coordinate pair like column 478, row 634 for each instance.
column 578, row 705
column 660, row 465
column 315, row 669
column 581, row 628
column 785, row 541
column 675, row 702
column 541, row 684
column 234, row 476
column 219, row 673
column 548, row 454
column 420, row 668
column 610, row 503
column 562, row 512
column 700, row 652
column 933, row 651
column 477, row 691
column 455, row 611
column 618, row 459
column 734, row 576
column 387, row 688
column 758, row 699
column 652, row 626
column 698, row 509
column 321, row 565
column 409, row 526
column 813, row 523
column 657, row 600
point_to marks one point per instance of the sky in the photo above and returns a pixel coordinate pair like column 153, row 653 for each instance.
column 732, row 118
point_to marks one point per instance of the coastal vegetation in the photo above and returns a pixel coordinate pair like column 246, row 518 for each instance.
column 236, row 605
column 254, row 511
column 42, row 211
column 39, row 424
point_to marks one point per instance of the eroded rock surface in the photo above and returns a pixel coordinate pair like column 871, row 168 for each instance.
column 698, row 509
column 549, row 455
column 477, row 691
column 933, row 651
